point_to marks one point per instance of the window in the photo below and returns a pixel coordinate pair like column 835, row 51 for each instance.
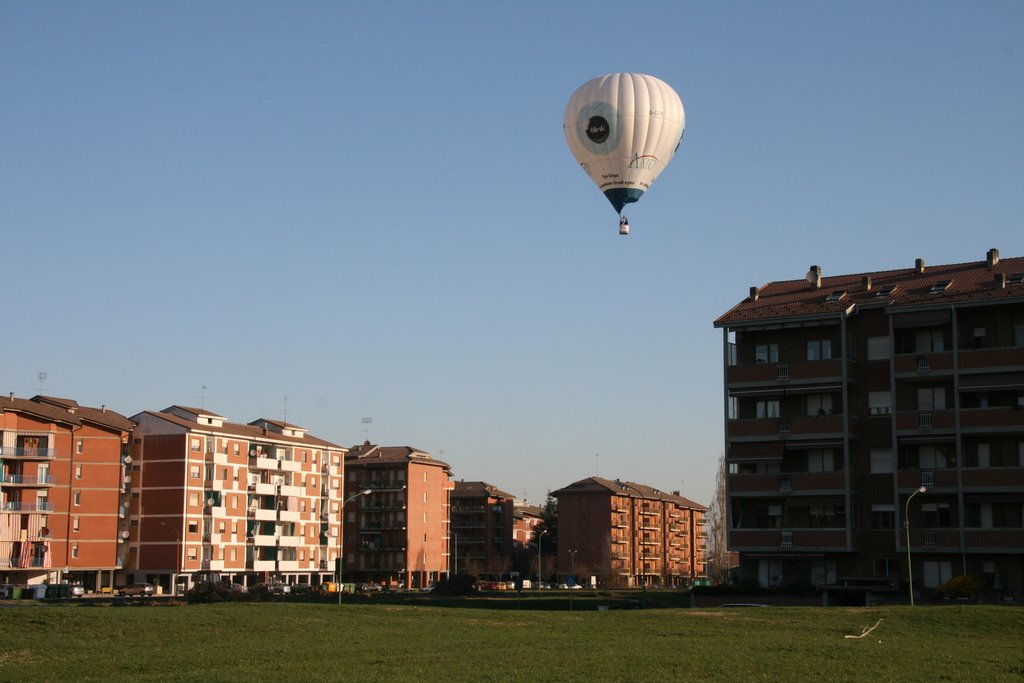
column 193, row 527
column 931, row 398
column 879, row 348
column 936, row 515
column 883, row 516
column 193, row 498
column 192, row 554
column 819, row 349
column 882, row 461
column 74, row 551
column 928, row 342
column 819, row 404
column 941, row 286
column 766, row 353
column 820, row 460
column 79, row 446
column 196, row 445
column 937, row 572
column 984, row 455
column 980, row 338
column 78, row 471
column 78, row 497
column 931, row 458
column 193, row 471
column 74, row 523
column 879, row 402
column 836, row 296
column 733, row 408
column 767, row 408
column 1018, row 335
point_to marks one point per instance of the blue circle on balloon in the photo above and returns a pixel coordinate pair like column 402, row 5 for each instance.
column 599, row 127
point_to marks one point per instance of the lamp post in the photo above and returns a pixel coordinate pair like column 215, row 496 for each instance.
column 540, row 558
column 906, row 525
column 341, row 538
column 177, row 559
column 572, row 572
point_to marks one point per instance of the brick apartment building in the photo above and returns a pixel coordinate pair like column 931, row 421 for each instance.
column 482, row 522
column 254, row 503
column 525, row 520
column 629, row 534
column 62, row 495
column 399, row 533
column 845, row 395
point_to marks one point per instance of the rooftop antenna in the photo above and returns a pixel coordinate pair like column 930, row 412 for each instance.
column 286, row 409
column 597, row 471
column 202, row 398
column 42, row 378
column 367, row 421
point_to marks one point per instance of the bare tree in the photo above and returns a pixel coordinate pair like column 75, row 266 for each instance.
column 717, row 525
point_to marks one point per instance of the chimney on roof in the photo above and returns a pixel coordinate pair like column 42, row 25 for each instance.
column 814, row 277
column 103, row 408
column 999, row 281
column 919, row 265
column 992, row 257
column 11, row 395
column 753, row 293
column 867, row 283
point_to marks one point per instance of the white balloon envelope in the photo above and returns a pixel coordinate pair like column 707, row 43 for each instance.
column 623, row 129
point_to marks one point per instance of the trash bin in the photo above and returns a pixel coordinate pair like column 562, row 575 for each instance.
column 15, row 592
column 40, row 591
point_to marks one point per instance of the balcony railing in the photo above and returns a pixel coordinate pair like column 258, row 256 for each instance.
column 28, row 481
column 30, row 452
column 12, row 506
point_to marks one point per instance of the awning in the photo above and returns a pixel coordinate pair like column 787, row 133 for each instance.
column 813, row 445
column 1002, row 380
column 761, row 450
column 921, row 319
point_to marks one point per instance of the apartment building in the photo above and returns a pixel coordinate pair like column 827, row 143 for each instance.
column 629, row 534
column 482, row 521
column 398, row 533
column 62, row 491
column 858, row 404
column 253, row 503
column 525, row 520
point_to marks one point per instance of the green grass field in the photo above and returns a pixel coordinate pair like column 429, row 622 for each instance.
column 423, row 642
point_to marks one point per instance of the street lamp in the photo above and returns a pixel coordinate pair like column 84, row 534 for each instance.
column 177, row 559
column 540, row 558
column 341, row 537
column 572, row 572
column 906, row 525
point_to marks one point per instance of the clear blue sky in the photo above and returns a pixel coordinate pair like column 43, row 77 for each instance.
column 370, row 208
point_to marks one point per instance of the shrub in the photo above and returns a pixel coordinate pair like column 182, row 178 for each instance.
column 959, row 587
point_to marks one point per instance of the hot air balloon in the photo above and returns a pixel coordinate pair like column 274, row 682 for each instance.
column 623, row 130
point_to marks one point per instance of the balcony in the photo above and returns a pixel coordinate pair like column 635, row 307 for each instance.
column 997, row 540
column 786, row 483
column 28, row 453
column 806, row 540
column 994, row 478
column 989, row 419
column 763, row 375
column 813, row 427
column 909, row 423
column 933, row 539
column 932, row 478
column 916, row 364
column 991, row 359
column 265, row 463
column 15, row 506
column 22, row 480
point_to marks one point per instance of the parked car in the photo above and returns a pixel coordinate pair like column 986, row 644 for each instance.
column 138, row 590
column 238, row 588
column 76, row 590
